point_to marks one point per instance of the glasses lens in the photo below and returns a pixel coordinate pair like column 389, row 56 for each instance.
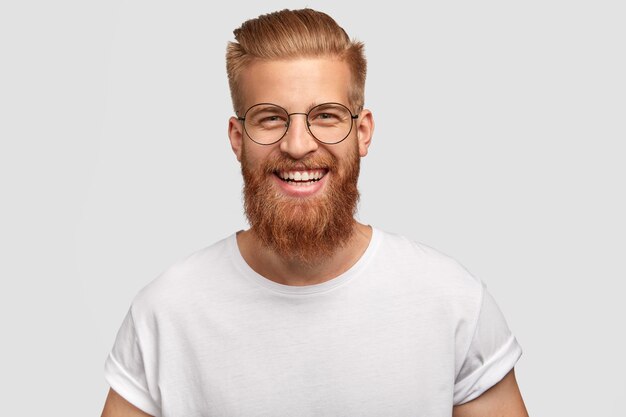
column 266, row 123
column 330, row 122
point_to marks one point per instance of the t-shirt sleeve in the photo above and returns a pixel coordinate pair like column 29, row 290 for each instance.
column 492, row 353
column 125, row 371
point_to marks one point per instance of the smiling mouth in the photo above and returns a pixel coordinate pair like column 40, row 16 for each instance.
column 299, row 178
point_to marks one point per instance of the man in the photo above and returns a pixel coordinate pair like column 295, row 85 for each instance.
column 309, row 313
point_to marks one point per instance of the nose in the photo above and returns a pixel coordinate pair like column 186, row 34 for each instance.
column 298, row 141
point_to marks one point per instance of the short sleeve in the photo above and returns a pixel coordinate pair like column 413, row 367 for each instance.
column 492, row 353
column 124, row 369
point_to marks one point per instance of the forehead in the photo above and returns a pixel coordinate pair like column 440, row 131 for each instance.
column 296, row 83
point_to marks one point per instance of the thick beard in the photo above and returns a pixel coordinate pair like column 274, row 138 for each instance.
column 305, row 230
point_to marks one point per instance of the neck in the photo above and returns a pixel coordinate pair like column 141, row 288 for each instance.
column 295, row 272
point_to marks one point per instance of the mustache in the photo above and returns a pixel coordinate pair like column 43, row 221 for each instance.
column 285, row 163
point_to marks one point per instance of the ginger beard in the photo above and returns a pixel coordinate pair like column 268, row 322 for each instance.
column 309, row 229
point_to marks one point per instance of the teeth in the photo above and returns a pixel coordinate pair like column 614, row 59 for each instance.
column 301, row 175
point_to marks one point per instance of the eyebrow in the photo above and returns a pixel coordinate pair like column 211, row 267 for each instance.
column 318, row 103
column 313, row 104
column 307, row 109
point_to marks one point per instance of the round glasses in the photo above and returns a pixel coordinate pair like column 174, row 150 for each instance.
column 267, row 123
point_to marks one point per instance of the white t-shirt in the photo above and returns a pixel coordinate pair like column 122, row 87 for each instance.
column 407, row 331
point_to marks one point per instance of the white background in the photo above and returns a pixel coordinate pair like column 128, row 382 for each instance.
column 500, row 141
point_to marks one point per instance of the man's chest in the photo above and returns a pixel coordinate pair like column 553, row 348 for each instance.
column 390, row 363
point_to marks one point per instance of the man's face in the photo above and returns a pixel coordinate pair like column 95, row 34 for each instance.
column 300, row 195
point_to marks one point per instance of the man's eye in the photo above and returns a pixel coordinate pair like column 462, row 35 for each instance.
column 272, row 119
column 325, row 118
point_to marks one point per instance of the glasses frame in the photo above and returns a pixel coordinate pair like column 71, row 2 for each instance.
column 308, row 125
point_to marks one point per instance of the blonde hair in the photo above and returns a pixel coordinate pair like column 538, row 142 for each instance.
column 289, row 34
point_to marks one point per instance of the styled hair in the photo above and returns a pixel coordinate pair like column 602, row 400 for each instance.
column 289, row 34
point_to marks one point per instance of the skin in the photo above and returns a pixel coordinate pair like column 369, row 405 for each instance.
column 296, row 85
column 117, row 406
column 502, row 400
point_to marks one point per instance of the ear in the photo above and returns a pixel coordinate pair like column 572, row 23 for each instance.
column 365, row 131
column 235, row 133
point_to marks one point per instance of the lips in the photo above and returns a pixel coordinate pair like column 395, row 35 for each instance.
column 301, row 177
column 301, row 183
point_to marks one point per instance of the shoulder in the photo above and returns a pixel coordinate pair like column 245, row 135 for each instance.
column 185, row 278
column 412, row 255
column 422, row 269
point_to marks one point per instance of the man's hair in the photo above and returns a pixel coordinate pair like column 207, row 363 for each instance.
column 289, row 34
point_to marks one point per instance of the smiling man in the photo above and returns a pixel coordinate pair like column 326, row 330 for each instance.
column 301, row 168
column 309, row 312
